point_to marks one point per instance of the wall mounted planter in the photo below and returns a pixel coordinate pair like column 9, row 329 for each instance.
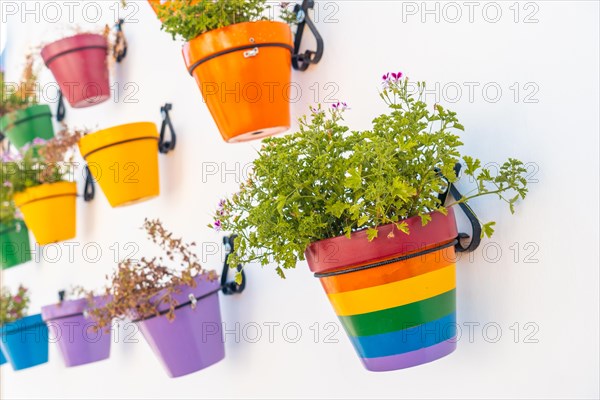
column 79, row 65
column 49, row 211
column 14, row 244
column 398, row 310
column 77, row 340
column 25, row 342
column 244, row 72
column 194, row 339
column 124, row 160
column 22, row 126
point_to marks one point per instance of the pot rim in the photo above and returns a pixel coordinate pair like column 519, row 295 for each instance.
column 340, row 252
column 204, row 287
column 44, row 191
column 116, row 135
column 70, row 308
column 33, row 111
column 69, row 44
column 211, row 46
column 21, row 324
column 6, row 228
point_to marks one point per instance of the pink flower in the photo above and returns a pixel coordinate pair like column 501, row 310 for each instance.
column 217, row 225
column 340, row 106
column 390, row 78
column 7, row 157
column 221, row 204
column 7, row 184
column 18, row 299
column 39, row 141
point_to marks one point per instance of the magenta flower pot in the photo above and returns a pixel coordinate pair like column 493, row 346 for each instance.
column 78, row 340
column 194, row 339
column 80, row 67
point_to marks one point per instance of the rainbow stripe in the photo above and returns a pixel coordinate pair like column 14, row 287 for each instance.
column 401, row 314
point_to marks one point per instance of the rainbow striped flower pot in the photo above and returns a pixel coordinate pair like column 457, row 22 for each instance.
column 395, row 296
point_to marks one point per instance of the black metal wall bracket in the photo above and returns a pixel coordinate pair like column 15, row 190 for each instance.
column 165, row 146
column 89, row 191
column 475, row 224
column 301, row 61
column 120, row 48
column 229, row 288
column 61, row 110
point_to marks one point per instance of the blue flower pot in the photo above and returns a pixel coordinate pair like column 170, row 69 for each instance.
column 2, row 359
column 25, row 342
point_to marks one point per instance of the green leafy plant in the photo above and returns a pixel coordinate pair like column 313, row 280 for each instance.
column 13, row 307
column 190, row 18
column 18, row 96
column 326, row 181
column 140, row 288
column 38, row 163
column 8, row 211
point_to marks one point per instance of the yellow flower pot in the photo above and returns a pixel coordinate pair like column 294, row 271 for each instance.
column 124, row 161
column 49, row 211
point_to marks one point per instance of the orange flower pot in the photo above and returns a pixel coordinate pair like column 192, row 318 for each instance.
column 244, row 74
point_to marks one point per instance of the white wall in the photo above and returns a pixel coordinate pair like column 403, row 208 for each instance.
column 552, row 124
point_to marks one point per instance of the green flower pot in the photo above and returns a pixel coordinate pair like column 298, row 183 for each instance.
column 22, row 126
column 14, row 244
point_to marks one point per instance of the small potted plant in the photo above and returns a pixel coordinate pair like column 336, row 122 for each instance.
column 240, row 60
column 14, row 236
column 176, row 309
column 364, row 209
column 24, row 340
column 80, row 64
column 78, row 337
column 22, row 119
column 42, row 190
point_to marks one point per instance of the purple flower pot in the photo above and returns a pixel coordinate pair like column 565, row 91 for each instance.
column 194, row 339
column 77, row 339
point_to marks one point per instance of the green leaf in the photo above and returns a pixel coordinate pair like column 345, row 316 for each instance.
column 279, row 272
column 425, row 219
column 487, row 229
column 372, row 233
column 238, row 278
column 363, row 220
column 403, row 227
column 337, row 209
column 353, row 181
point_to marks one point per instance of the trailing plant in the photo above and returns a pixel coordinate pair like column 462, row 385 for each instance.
column 8, row 210
column 326, row 181
column 13, row 307
column 39, row 162
column 189, row 19
column 18, row 96
column 141, row 288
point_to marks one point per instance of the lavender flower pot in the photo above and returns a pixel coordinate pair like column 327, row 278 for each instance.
column 194, row 339
column 77, row 338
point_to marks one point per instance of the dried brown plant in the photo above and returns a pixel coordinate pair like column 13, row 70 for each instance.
column 141, row 288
